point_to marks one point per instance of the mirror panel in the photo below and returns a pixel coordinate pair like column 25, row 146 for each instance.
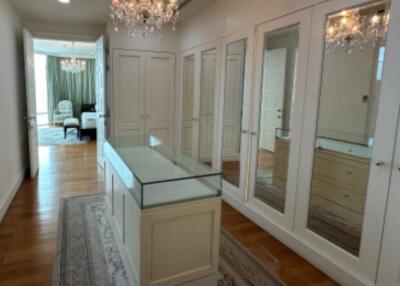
column 187, row 106
column 349, row 96
column 233, row 106
column 207, row 100
column 277, row 96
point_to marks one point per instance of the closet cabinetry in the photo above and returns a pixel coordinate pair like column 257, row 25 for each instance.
column 305, row 135
column 143, row 93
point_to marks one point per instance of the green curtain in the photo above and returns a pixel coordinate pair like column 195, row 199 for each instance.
column 79, row 88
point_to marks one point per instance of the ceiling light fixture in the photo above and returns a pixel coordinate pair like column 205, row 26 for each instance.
column 144, row 16
column 73, row 65
column 64, row 1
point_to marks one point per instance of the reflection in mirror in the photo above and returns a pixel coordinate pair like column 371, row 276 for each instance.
column 234, row 84
column 187, row 107
column 207, row 99
column 349, row 96
column 279, row 68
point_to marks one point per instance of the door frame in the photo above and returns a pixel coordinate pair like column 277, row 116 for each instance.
column 102, row 118
column 248, row 36
column 31, row 106
column 389, row 266
column 363, row 267
column 303, row 19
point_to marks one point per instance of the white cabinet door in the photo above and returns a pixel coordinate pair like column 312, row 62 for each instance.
column 389, row 266
column 233, row 111
column 31, row 104
column 207, row 104
column 188, row 66
column 159, row 99
column 343, row 185
column 282, row 47
column 128, row 92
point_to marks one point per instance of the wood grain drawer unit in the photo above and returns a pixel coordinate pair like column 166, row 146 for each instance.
column 342, row 179
column 281, row 159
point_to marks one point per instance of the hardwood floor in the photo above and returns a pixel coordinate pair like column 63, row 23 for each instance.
column 29, row 229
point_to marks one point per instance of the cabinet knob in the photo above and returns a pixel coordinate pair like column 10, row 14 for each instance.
column 380, row 163
column 244, row 131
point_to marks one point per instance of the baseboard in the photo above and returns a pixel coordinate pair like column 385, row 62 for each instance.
column 11, row 194
column 297, row 244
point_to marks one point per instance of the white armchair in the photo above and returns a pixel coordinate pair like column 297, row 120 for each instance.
column 63, row 111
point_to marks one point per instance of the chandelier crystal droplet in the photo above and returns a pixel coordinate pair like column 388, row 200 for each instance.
column 351, row 29
column 144, row 16
column 73, row 65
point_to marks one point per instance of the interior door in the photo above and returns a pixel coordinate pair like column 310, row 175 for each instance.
column 273, row 174
column 344, row 176
column 31, row 103
column 128, row 99
column 100, row 99
column 273, row 94
column 159, row 100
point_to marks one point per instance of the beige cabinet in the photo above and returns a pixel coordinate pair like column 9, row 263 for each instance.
column 143, row 93
column 170, row 245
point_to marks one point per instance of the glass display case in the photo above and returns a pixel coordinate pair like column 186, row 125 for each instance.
column 157, row 174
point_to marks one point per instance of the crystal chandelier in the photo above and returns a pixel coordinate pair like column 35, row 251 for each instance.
column 144, row 16
column 350, row 29
column 73, row 65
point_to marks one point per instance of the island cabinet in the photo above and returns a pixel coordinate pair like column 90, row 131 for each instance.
column 165, row 209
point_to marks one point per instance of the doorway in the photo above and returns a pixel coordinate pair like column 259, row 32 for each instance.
column 65, row 94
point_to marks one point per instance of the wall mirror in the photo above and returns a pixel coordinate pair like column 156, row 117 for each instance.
column 277, row 95
column 207, row 100
column 349, row 97
column 187, row 105
column 233, row 110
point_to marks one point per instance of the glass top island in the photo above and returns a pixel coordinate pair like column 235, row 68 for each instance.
column 157, row 174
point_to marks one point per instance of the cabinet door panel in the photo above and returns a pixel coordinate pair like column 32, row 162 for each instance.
column 128, row 96
column 160, row 70
column 188, row 80
column 282, row 49
column 349, row 130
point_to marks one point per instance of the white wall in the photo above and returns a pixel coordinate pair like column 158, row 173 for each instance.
column 13, row 139
column 225, row 17
column 165, row 42
column 58, row 31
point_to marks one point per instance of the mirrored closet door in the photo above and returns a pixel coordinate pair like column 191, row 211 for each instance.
column 199, row 87
column 235, row 98
column 282, row 48
column 349, row 130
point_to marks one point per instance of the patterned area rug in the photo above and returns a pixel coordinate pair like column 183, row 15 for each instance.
column 55, row 136
column 87, row 253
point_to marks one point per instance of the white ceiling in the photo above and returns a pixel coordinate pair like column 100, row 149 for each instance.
column 78, row 11
column 64, row 48
column 81, row 11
